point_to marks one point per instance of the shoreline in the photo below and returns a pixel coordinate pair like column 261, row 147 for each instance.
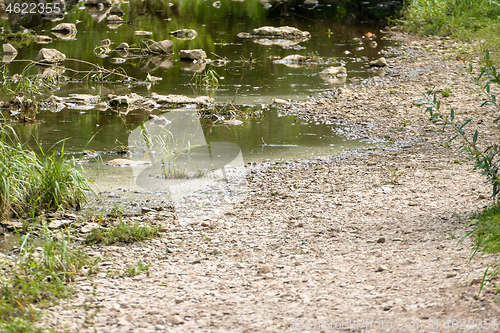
column 334, row 239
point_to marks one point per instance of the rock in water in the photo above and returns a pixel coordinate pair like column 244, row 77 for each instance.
column 334, row 71
column 50, row 56
column 381, row 62
column 65, row 28
column 184, row 34
column 196, row 54
column 163, row 47
column 9, row 49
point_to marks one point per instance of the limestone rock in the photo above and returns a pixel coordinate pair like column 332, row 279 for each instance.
column 105, row 3
column 9, row 49
column 334, row 71
column 381, row 62
column 122, row 47
column 180, row 99
column 50, row 56
column 41, row 39
column 163, row 47
column 114, row 19
column 127, row 162
column 116, row 11
column 282, row 32
column 184, row 34
column 196, row 54
column 65, row 28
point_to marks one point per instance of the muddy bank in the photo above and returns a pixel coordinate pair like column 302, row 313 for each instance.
column 369, row 236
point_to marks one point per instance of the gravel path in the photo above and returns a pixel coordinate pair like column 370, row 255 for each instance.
column 334, row 244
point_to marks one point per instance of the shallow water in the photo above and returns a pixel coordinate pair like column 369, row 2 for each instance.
column 251, row 76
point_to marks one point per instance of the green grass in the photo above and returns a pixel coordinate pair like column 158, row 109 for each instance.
column 21, row 326
column 39, row 275
column 487, row 229
column 31, row 183
column 462, row 19
column 122, row 233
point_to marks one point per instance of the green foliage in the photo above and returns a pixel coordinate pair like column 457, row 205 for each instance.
column 40, row 275
column 445, row 92
column 394, row 175
column 122, row 233
column 31, row 182
column 488, row 229
column 132, row 271
column 463, row 19
column 208, row 79
column 487, row 159
column 21, row 326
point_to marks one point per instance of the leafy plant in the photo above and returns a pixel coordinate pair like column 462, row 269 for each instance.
column 207, row 79
column 132, row 271
column 445, row 92
column 122, row 233
column 394, row 175
column 486, row 159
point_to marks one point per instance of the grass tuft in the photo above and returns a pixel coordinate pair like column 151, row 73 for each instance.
column 122, row 233
column 32, row 183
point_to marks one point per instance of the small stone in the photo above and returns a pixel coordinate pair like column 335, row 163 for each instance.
column 50, row 56
column 122, row 47
column 334, row 71
column 145, row 210
column 381, row 268
column 56, row 224
column 381, row 240
column 114, row 19
column 184, row 34
column 175, row 320
column 162, row 47
column 196, row 54
column 67, row 28
column 89, row 227
column 41, row 39
column 387, row 307
column 179, row 300
column 381, row 62
column 9, row 49
column 264, row 270
column 12, row 225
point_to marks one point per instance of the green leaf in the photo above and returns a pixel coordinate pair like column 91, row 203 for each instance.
column 452, row 114
column 474, row 139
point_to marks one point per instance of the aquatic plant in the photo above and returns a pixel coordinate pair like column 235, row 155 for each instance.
column 208, row 79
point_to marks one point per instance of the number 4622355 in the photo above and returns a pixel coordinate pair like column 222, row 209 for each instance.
column 33, row 8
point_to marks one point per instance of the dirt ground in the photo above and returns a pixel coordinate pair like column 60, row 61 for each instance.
column 334, row 244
